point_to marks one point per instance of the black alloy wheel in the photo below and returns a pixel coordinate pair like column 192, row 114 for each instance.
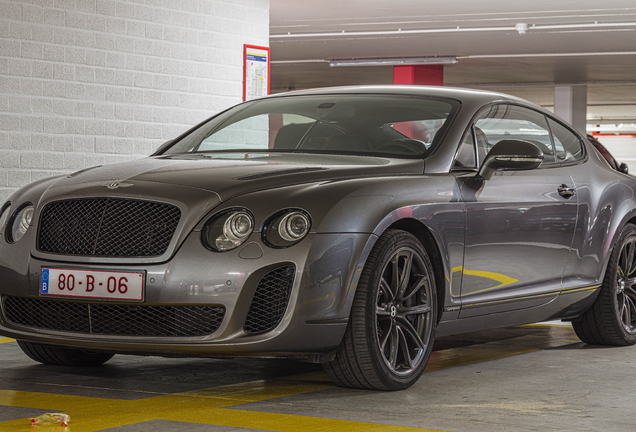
column 612, row 318
column 403, row 312
column 391, row 330
column 625, row 281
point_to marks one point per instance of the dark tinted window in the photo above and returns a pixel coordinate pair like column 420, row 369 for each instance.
column 399, row 126
column 466, row 153
column 567, row 144
column 501, row 122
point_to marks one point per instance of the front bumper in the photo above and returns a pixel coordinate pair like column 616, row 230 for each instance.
column 327, row 267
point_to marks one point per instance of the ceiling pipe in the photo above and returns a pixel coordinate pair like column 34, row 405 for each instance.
column 444, row 60
column 517, row 27
column 582, row 54
column 396, row 61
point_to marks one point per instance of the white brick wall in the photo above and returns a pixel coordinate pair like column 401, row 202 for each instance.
column 91, row 82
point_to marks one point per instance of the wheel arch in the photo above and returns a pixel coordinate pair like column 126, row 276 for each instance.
column 628, row 217
column 425, row 236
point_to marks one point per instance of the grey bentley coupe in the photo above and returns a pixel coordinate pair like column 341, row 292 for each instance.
column 346, row 226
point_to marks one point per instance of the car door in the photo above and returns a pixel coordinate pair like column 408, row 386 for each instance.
column 519, row 224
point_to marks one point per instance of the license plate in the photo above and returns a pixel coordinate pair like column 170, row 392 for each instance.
column 96, row 284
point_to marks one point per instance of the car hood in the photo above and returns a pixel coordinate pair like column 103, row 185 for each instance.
column 229, row 175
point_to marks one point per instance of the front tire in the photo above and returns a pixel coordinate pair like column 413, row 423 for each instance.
column 390, row 334
column 55, row 355
column 612, row 318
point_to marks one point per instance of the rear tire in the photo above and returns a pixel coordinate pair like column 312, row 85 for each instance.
column 55, row 355
column 390, row 334
column 612, row 318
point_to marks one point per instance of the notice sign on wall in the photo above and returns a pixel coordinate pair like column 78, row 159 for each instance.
column 255, row 72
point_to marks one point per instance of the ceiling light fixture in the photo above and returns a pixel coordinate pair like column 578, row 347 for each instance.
column 394, row 61
column 522, row 28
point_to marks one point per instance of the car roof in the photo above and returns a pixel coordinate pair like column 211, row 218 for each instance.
column 461, row 94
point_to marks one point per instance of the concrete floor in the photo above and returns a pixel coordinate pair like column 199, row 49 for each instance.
column 527, row 378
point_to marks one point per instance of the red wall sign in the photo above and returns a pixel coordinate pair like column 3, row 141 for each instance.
column 255, row 71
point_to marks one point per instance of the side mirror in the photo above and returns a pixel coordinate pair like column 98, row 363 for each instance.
column 623, row 168
column 511, row 155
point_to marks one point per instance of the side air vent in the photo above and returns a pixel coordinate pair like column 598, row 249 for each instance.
column 270, row 300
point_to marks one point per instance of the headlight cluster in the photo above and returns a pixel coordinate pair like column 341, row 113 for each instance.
column 286, row 228
column 18, row 223
column 231, row 228
column 228, row 230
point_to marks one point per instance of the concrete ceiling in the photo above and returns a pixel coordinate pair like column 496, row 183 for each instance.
column 567, row 42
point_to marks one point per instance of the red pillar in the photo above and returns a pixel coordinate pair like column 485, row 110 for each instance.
column 275, row 123
column 419, row 75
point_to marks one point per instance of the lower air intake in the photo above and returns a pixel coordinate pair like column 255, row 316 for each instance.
column 270, row 300
column 113, row 319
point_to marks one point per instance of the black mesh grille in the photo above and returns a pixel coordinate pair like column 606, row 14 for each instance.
column 270, row 300
column 113, row 319
column 107, row 227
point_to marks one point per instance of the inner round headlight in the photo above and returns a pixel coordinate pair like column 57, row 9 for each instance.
column 227, row 230
column 21, row 222
column 286, row 228
column 237, row 227
column 293, row 226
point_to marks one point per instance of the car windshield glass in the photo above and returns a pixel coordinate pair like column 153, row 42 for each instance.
column 400, row 126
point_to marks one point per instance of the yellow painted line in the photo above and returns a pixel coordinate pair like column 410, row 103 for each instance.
column 90, row 414
column 546, row 325
column 466, row 358
column 208, row 406
column 501, row 278
column 577, row 289
column 466, row 355
column 5, row 340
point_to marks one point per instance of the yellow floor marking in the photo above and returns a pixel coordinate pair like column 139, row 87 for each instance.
column 5, row 340
column 522, row 344
column 565, row 324
column 207, row 406
column 260, row 390
column 499, row 277
column 90, row 414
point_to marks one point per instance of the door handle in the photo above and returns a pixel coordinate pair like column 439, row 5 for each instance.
column 565, row 191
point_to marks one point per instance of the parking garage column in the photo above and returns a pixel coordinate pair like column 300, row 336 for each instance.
column 570, row 103
column 419, row 75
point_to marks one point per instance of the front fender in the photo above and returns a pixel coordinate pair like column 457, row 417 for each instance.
column 371, row 206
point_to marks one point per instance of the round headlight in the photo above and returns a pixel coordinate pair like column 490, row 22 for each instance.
column 227, row 230
column 286, row 228
column 293, row 226
column 237, row 227
column 21, row 222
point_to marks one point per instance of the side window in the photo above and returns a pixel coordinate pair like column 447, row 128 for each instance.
column 567, row 144
column 466, row 154
column 501, row 122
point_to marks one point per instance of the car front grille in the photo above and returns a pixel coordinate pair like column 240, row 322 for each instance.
column 112, row 227
column 112, row 319
column 270, row 300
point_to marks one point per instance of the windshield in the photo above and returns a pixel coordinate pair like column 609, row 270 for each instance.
column 400, row 126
